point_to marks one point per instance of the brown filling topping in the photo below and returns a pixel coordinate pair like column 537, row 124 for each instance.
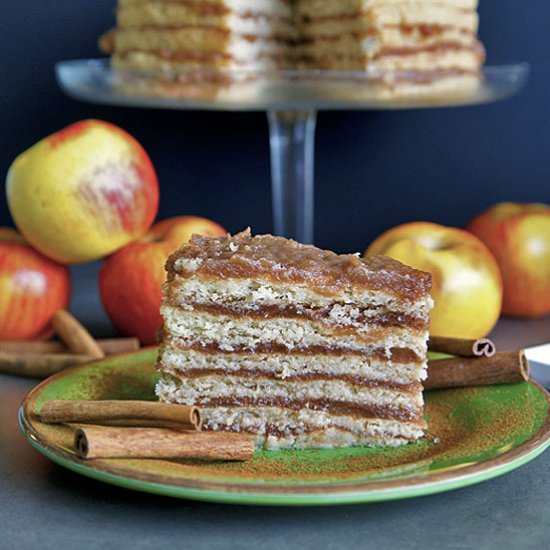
column 284, row 261
column 360, row 381
column 336, row 408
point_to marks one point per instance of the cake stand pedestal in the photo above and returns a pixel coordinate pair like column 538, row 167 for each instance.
column 291, row 100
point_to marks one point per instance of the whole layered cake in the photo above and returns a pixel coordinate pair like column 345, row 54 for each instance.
column 299, row 346
column 407, row 46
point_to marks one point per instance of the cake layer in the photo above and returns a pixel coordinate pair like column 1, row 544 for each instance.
column 183, row 64
column 448, row 58
column 336, row 396
column 352, row 317
column 278, row 428
column 221, row 6
column 450, row 82
column 391, row 356
column 245, row 293
column 193, row 40
column 428, row 9
column 259, row 376
column 372, row 39
column 355, row 369
column 240, row 17
column 229, row 333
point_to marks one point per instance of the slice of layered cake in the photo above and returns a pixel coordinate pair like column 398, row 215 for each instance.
column 299, row 346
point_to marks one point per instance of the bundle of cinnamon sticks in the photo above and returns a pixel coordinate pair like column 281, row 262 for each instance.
column 473, row 363
column 41, row 358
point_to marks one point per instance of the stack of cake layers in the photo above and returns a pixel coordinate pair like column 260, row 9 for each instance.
column 175, row 36
column 408, row 46
column 299, row 346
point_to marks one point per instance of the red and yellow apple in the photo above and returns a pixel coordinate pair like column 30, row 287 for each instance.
column 83, row 192
column 518, row 235
column 32, row 288
column 466, row 281
column 130, row 280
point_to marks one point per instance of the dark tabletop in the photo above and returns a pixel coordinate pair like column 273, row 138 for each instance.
column 45, row 506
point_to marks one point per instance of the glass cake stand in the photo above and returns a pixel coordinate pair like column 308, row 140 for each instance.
column 291, row 100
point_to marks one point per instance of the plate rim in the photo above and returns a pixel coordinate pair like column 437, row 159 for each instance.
column 246, row 492
column 513, row 77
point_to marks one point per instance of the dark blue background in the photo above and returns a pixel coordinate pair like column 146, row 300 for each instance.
column 373, row 169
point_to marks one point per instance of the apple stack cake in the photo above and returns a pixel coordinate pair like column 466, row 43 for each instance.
column 299, row 346
column 408, row 46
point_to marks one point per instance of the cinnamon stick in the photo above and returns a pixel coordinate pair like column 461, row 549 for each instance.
column 39, row 366
column 75, row 336
column 107, row 442
column 122, row 413
column 503, row 368
column 482, row 347
column 109, row 346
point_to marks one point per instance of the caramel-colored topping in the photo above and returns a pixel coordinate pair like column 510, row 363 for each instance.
column 284, row 261
column 337, row 408
column 360, row 381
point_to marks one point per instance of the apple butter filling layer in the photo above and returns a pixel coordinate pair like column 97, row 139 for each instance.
column 282, row 423
column 230, row 333
column 360, row 369
column 350, row 316
column 337, row 396
column 388, row 356
column 188, row 288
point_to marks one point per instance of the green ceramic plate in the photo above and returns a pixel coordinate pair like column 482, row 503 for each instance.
column 475, row 434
